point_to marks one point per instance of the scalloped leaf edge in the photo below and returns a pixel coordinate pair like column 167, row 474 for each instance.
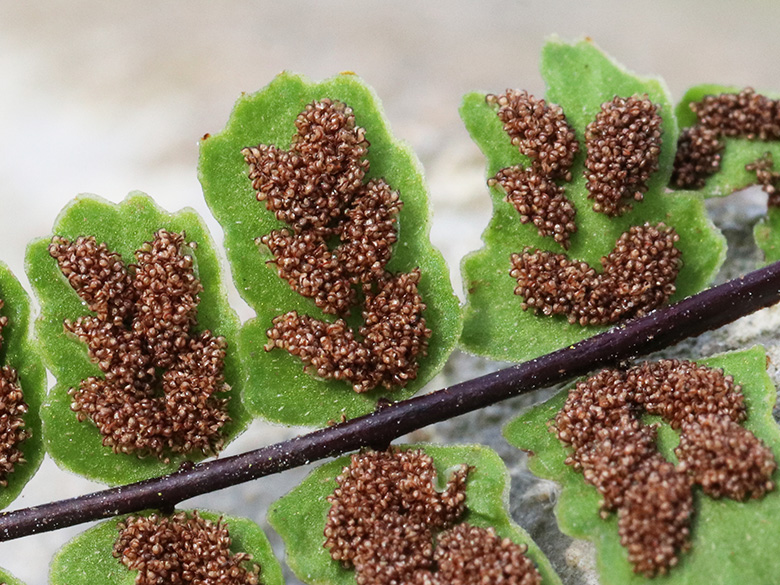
column 78, row 446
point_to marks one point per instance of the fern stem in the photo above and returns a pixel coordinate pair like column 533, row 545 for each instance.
column 690, row 317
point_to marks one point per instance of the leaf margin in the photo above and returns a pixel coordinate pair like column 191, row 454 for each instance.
column 495, row 326
column 577, row 509
column 66, row 438
column 307, row 503
column 91, row 552
column 228, row 192
column 19, row 351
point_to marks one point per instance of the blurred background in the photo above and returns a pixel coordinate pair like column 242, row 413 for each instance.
column 106, row 97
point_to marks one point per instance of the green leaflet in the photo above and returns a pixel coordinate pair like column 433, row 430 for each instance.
column 767, row 235
column 738, row 152
column 123, row 227
column 88, row 558
column 732, row 175
column 9, row 579
column 732, row 542
column 579, row 78
column 299, row 517
column 19, row 352
column 277, row 387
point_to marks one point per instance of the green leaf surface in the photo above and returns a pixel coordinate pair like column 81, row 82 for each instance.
column 299, row 517
column 88, row 558
column 737, row 152
column 767, row 235
column 277, row 387
column 9, row 579
column 19, row 352
column 124, row 228
column 732, row 176
column 732, row 542
column 579, row 78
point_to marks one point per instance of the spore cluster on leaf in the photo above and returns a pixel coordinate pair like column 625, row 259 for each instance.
column 12, row 409
column 386, row 514
column 623, row 145
column 182, row 548
column 317, row 188
column 747, row 115
column 144, row 318
column 616, row 453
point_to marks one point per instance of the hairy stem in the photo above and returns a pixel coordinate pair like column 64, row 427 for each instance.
column 690, row 317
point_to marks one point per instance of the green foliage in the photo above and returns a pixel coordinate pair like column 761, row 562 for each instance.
column 579, row 78
column 88, row 558
column 737, row 152
column 277, row 387
column 732, row 542
column 299, row 517
column 733, row 176
column 767, row 235
column 124, row 228
column 9, row 579
column 18, row 351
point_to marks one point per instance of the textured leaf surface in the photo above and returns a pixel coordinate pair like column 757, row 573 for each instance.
column 737, row 152
column 9, row 579
column 299, row 517
column 88, row 560
column 767, row 235
column 19, row 352
column 579, row 78
column 732, row 542
column 77, row 446
column 278, row 388
column 732, row 176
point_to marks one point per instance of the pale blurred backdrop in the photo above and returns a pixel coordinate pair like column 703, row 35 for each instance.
column 109, row 97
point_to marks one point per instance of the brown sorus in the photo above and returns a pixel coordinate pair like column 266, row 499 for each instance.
column 159, row 392
column 746, row 114
column 392, row 338
column 385, row 511
column 342, row 236
column 308, row 186
column 639, row 275
column 539, row 200
column 617, row 454
column 389, row 522
column 623, row 146
column 182, row 548
column 12, row 411
column 311, row 269
column 698, row 156
column 767, row 177
column 471, row 554
column 367, row 232
column 539, row 131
